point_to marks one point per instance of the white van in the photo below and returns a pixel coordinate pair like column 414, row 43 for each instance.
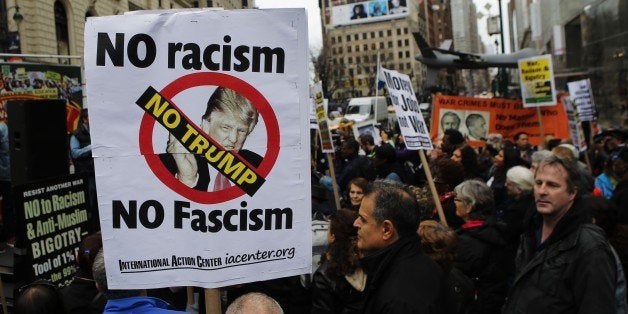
column 368, row 108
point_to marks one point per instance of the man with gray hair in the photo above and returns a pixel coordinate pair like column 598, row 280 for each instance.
column 401, row 278
column 126, row 301
column 564, row 263
column 254, row 302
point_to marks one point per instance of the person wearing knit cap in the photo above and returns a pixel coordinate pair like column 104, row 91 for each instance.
column 519, row 180
column 572, row 148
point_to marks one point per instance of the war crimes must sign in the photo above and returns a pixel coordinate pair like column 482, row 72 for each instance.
column 411, row 123
column 537, row 81
column 55, row 219
column 200, row 132
column 476, row 118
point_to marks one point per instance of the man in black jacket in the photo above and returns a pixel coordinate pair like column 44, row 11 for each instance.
column 564, row 263
column 401, row 279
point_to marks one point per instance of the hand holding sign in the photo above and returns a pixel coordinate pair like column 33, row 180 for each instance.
column 187, row 168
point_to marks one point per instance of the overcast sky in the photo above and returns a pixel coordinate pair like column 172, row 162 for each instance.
column 313, row 17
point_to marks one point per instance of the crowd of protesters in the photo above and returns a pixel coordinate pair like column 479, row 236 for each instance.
column 528, row 230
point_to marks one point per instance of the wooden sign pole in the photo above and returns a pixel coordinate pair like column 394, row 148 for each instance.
column 212, row 301
column 430, row 181
column 330, row 162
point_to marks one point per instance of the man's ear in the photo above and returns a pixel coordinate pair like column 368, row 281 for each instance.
column 388, row 230
column 574, row 193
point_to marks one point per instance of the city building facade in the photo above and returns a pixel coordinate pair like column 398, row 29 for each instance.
column 466, row 39
column 587, row 40
column 55, row 27
column 352, row 44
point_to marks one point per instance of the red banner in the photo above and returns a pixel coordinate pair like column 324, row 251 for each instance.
column 476, row 118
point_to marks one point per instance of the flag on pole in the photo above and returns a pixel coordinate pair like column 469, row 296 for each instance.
column 379, row 84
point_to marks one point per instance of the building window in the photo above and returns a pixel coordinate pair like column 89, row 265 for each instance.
column 333, row 40
column 390, row 44
column 366, row 47
column 399, row 43
column 401, row 66
column 356, row 36
column 407, row 53
column 373, row 46
column 372, row 34
column 357, row 48
column 398, row 31
column 358, row 59
column 348, row 38
column 407, row 42
column 333, row 50
column 339, row 39
column 359, row 70
column 61, row 30
column 350, row 60
column 389, row 32
column 348, row 48
column 363, row 35
column 381, row 33
column 351, row 72
column 381, row 45
column 339, row 49
column 400, row 54
column 405, row 30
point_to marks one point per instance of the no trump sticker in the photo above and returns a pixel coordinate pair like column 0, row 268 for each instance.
column 159, row 107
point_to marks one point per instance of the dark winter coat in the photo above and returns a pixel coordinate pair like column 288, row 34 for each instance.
column 620, row 199
column 573, row 271
column 482, row 255
column 361, row 166
column 334, row 295
column 81, row 295
column 402, row 279
column 84, row 163
column 514, row 214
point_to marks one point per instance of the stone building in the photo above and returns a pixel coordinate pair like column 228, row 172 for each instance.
column 55, row 27
column 587, row 40
column 351, row 46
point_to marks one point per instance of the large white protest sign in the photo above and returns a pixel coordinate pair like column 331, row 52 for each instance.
column 411, row 123
column 199, row 124
column 582, row 96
